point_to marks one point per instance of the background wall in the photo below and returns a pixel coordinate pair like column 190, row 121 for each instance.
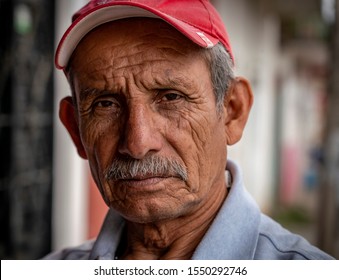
column 26, row 127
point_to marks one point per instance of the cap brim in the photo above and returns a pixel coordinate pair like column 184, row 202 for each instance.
column 106, row 13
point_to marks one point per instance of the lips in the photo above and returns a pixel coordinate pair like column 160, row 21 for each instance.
column 150, row 182
column 141, row 178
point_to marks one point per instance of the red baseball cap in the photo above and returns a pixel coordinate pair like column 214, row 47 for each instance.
column 198, row 20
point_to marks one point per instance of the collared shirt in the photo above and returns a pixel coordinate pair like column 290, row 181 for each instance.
column 239, row 232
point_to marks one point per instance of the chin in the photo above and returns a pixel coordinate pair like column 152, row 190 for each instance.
column 150, row 214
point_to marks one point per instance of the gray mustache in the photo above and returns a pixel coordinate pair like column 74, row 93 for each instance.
column 125, row 168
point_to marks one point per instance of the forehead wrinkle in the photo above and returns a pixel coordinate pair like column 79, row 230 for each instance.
column 146, row 48
column 95, row 69
column 137, row 65
column 140, row 57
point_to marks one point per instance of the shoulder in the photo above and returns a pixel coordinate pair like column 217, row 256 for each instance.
column 275, row 242
column 80, row 252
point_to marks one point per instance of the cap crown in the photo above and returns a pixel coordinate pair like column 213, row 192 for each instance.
column 196, row 19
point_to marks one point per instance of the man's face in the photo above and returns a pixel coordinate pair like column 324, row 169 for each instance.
column 144, row 91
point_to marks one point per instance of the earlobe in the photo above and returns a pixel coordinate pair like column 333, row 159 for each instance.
column 238, row 103
column 68, row 119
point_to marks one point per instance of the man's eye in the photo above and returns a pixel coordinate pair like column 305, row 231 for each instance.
column 104, row 103
column 106, row 106
column 171, row 97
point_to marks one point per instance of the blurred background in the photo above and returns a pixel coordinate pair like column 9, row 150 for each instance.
column 288, row 49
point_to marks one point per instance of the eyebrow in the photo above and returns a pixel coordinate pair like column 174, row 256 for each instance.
column 163, row 82
column 90, row 93
column 177, row 81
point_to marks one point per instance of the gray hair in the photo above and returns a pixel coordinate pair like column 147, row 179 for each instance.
column 222, row 72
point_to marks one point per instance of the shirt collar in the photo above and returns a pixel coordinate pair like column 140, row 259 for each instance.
column 109, row 237
column 234, row 232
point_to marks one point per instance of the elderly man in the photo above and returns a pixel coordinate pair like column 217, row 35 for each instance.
column 154, row 105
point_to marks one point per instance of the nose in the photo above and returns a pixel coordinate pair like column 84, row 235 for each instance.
column 141, row 134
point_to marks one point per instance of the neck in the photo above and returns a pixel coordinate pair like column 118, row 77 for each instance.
column 172, row 239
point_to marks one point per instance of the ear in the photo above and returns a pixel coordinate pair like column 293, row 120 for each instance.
column 237, row 106
column 68, row 118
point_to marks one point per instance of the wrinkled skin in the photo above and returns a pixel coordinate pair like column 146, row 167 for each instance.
column 143, row 89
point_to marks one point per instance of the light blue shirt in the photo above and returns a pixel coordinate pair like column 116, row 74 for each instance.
column 239, row 232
